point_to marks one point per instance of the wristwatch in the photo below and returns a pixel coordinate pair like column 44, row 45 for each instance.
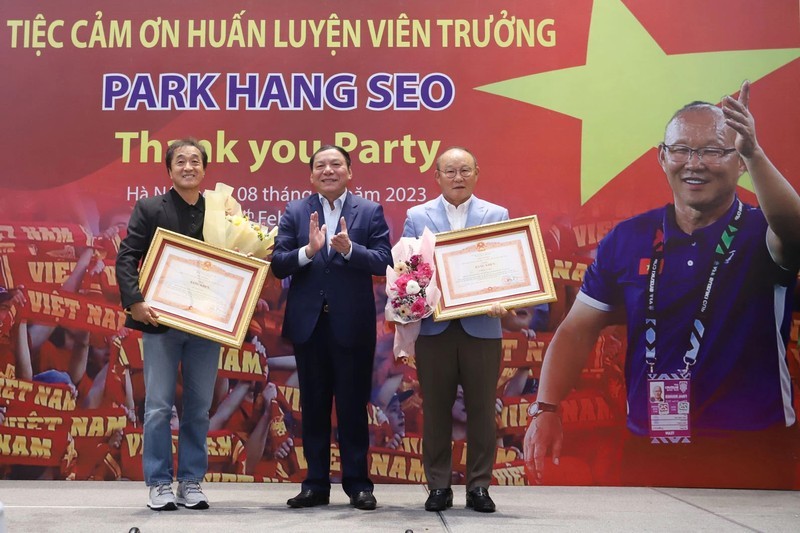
column 537, row 408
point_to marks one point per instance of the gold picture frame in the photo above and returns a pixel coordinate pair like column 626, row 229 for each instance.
column 501, row 262
column 201, row 289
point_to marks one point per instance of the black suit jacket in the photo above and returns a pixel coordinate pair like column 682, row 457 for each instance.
column 346, row 286
column 148, row 215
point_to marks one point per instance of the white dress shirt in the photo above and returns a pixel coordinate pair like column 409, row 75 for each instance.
column 457, row 216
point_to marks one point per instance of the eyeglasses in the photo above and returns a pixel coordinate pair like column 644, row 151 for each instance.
column 465, row 172
column 679, row 153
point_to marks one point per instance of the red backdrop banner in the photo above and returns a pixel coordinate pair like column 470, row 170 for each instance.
column 563, row 104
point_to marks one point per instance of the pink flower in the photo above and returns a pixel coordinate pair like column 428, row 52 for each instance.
column 419, row 307
column 401, row 283
column 424, row 273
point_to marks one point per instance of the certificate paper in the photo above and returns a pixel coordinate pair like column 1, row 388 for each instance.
column 498, row 267
column 201, row 289
column 503, row 262
column 198, row 288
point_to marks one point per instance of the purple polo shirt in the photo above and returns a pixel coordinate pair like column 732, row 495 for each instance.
column 740, row 380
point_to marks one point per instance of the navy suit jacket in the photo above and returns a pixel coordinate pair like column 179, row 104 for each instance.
column 346, row 286
column 433, row 216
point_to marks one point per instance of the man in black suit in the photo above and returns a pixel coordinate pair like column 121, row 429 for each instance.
column 182, row 210
column 330, row 319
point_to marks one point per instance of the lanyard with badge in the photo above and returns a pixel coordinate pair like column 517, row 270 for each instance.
column 668, row 399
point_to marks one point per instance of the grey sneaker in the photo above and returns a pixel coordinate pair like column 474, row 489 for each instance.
column 191, row 496
column 162, row 498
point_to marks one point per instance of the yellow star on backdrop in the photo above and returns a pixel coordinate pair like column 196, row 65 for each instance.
column 629, row 88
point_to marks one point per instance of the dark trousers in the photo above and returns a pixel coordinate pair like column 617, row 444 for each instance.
column 443, row 362
column 327, row 370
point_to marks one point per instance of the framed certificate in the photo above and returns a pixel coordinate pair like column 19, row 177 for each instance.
column 201, row 289
column 503, row 262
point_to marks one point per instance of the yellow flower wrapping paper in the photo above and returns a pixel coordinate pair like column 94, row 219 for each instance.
column 227, row 227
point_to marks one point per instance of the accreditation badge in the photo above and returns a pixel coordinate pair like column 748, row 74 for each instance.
column 668, row 408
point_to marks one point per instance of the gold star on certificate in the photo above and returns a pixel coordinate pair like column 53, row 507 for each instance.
column 629, row 88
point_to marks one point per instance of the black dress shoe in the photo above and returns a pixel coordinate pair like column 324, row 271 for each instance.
column 439, row 500
column 363, row 500
column 479, row 499
column 308, row 498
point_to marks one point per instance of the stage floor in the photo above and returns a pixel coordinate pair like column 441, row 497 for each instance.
column 99, row 507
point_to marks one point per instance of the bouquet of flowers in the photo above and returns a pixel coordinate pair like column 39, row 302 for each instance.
column 411, row 290
column 226, row 226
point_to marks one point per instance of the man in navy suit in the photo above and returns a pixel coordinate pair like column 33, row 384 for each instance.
column 466, row 351
column 181, row 209
column 331, row 244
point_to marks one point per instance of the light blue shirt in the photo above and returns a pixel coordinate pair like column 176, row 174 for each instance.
column 332, row 216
